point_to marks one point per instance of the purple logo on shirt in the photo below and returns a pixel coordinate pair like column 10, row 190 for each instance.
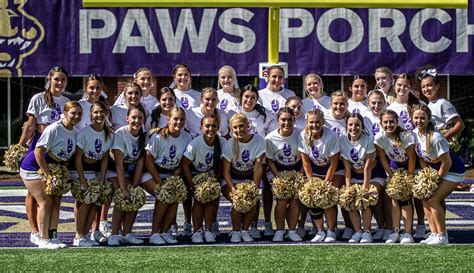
column 172, row 151
column 69, row 145
column 135, row 151
column 316, row 107
column 223, row 104
column 55, row 113
column 275, row 105
column 337, row 131
column 98, row 145
column 185, row 102
column 406, row 120
column 315, row 152
column 287, row 149
column 375, row 128
column 396, row 151
column 246, row 156
column 355, row 110
column 355, row 154
column 209, row 157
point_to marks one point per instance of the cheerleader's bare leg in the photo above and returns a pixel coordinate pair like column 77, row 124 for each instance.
column 437, row 209
column 45, row 203
column 31, row 207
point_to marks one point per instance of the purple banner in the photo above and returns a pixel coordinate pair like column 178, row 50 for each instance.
column 36, row 35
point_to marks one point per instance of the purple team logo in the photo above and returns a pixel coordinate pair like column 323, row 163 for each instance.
column 223, row 104
column 406, row 120
column 246, row 156
column 185, row 102
column 316, row 107
column 275, row 106
column 375, row 128
column 355, row 154
column 69, row 145
column 135, row 151
column 55, row 113
column 98, row 145
column 172, row 151
column 355, row 111
column 337, row 131
column 315, row 152
column 208, row 158
column 396, row 150
column 287, row 149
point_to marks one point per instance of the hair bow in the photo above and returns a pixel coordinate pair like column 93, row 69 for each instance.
column 427, row 72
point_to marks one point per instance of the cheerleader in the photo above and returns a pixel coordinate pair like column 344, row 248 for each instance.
column 335, row 119
column 44, row 109
column 145, row 79
column 432, row 149
column 91, row 159
column 119, row 113
column 274, row 95
column 187, row 97
column 55, row 146
column 319, row 149
column 228, row 89
column 358, row 100
column 405, row 99
column 282, row 155
column 398, row 146
column 126, row 168
column 384, row 81
column 316, row 99
column 295, row 103
column 203, row 155
column 93, row 88
column 160, row 115
column 242, row 155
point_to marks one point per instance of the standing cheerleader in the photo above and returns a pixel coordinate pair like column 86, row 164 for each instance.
column 433, row 150
column 336, row 118
column 275, row 94
column 242, row 155
column 376, row 102
column 384, row 82
column 203, row 155
column 296, row 104
column 228, row 89
column 319, row 149
column 132, row 94
column 405, row 99
column 55, row 146
column 358, row 100
column 160, row 115
column 316, row 99
column 398, row 146
column 44, row 109
column 282, row 155
column 93, row 88
column 91, row 159
column 187, row 97
column 145, row 79
column 126, row 168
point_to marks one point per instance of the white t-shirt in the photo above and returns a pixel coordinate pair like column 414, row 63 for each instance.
column 194, row 117
column 322, row 149
column 40, row 110
column 438, row 146
column 372, row 123
column 248, row 153
column 336, row 125
column 395, row 153
column 403, row 115
column 300, row 123
column 125, row 142
column 257, row 123
column 168, row 151
column 273, row 101
column 227, row 102
column 58, row 140
column 86, row 114
column 442, row 111
column 356, row 151
column 93, row 143
column 119, row 115
column 360, row 107
column 163, row 122
column 283, row 150
column 200, row 154
column 148, row 102
column 188, row 99
column 323, row 103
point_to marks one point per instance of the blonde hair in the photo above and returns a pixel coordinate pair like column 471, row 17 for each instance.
column 308, row 137
column 165, row 131
column 339, row 93
column 236, row 86
column 213, row 92
column 430, row 128
column 316, row 76
column 235, row 142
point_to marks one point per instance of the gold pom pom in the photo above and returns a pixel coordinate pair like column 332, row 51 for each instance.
column 245, row 197
column 207, row 191
column 57, row 183
column 201, row 178
column 347, row 198
column 106, row 193
column 317, row 193
column 136, row 200
column 366, row 197
column 87, row 195
column 172, row 191
column 286, row 184
column 400, row 186
column 426, row 183
column 14, row 155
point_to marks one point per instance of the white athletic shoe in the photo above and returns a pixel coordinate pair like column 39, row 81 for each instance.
column 235, row 236
column 187, row 229
column 330, row 237
column 441, row 239
column 47, row 244
column 246, row 236
column 356, row 237
column 278, row 237
column 197, row 237
column 268, row 229
column 420, row 231
column 209, row 237
column 156, row 239
column 168, row 238
column 301, row 232
column 393, row 238
column 386, row 233
column 60, row 243
column 90, row 238
column 98, row 237
column 378, row 234
column 113, row 240
column 254, row 232
column 366, row 238
column 347, row 233
column 319, row 237
column 35, row 238
column 293, row 236
column 132, row 239
column 81, row 242
column 105, row 228
column 430, row 236
column 406, row 238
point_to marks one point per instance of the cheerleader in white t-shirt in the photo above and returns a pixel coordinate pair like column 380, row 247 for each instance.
column 91, row 160
column 335, row 119
column 405, row 99
column 282, row 155
column 242, row 156
column 93, row 87
column 384, row 81
column 44, row 109
column 319, row 149
column 316, row 98
column 228, row 89
column 160, row 115
column 275, row 94
column 358, row 100
column 295, row 103
column 396, row 150
column 55, row 146
column 164, row 151
column 119, row 113
column 187, row 97
column 203, row 155
column 126, row 168
column 143, row 77
column 376, row 105
column 433, row 150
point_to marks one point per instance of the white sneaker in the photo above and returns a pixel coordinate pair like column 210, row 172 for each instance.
column 81, row 242
column 430, row 236
column 378, row 234
column 268, row 229
column 301, row 232
column 356, row 237
column 347, row 234
column 156, row 239
column 215, row 228
column 293, row 236
column 90, row 238
column 254, row 232
column 113, row 240
column 330, row 237
column 236, row 236
column 105, row 228
column 132, row 239
column 366, row 238
column 209, row 237
column 47, row 244
column 60, row 243
column 278, row 236
column 187, row 229
column 406, row 238
column 173, row 230
column 98, row 237
column 246, row 236
column 386, row 233
column 420, row 231
column 197, row 237
column 441, row 239
column 319, row 237
column 393, row 238
column 35, row 238
column 313, row 231
column 168, row 237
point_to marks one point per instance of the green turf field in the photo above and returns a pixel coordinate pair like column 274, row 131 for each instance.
column 247, row 258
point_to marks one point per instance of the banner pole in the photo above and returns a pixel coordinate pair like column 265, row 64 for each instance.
column 273, row 34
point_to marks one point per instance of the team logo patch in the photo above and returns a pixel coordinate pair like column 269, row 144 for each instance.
column 315, row 152
column 172, row 151
column 275, row 105
column 98, row 145
column 223, row 104
column 209, row 157
column 355, row 154
column 246, row 156
column 287, row 149
column 185, row 102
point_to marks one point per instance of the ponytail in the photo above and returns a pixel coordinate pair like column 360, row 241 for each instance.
column 48, row 97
